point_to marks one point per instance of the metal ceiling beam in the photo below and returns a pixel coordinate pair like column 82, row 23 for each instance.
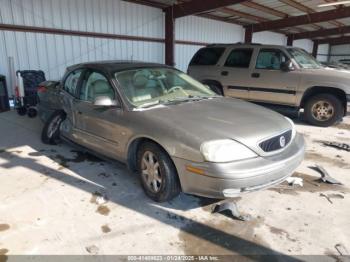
column 223, row 19
column 335, row 41
column 307, row 10
column 265, row 9
column 323, row 32
column 233, row 12
column 199, row 6
column 303, row 19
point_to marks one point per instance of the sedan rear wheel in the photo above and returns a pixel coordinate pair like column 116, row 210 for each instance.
column 158, row 174
column 51, row 130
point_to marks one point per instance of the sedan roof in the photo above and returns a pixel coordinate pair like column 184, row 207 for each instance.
column 115, row 66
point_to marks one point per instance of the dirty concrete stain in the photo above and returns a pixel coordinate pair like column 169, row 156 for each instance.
column 311, row 184
column 281, row 232
column 3, row 252
column 323, row 159
column 4, row 227
column 343, row 126
column 103, row 210
column 226, row 237
column 79, row 157
column 173, row 216
column 104, row 175
column 105, row 229
column 94, row 197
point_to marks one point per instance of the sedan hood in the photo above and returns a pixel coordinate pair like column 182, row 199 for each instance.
column 220, row 118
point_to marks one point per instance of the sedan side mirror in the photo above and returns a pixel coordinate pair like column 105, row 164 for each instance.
column 287, row 66
column 105, row 101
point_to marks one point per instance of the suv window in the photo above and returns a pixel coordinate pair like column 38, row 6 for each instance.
column 270, row 59
column 239, row 58
column 71, row 82
column 95, row 85
column 207, row 56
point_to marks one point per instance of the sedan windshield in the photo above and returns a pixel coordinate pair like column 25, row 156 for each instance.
column 304, row 60
column 149, row 87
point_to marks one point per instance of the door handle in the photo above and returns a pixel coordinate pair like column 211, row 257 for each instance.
column 256, row 75
column 224, row 73
column 80, row 113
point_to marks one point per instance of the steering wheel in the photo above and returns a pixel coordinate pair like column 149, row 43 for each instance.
column 175, row 88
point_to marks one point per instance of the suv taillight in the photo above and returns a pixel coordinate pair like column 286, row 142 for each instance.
column 41, row 89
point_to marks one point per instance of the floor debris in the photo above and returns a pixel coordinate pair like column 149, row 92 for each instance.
column 340, row 146
column 329, row 197
column 325, row 177
column 341, row 249
column 92, row 249
column 232, row 209
column 295, row 181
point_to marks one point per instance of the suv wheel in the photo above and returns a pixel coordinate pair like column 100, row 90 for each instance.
column 51, row 130
column 159, row 178
column 323, row 110
column 216, row 88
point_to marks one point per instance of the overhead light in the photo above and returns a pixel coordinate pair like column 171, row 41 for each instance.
column 335, row 3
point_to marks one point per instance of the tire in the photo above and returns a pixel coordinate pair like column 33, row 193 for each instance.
column 216, row 88
column 51, row 131
column 32, row 112
column 166, row 178
column 323, row 110
column 21, row 110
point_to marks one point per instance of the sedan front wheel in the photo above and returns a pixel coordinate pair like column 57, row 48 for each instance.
column 157, row 172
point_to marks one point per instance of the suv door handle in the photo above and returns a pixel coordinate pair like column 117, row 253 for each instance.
column 224, row 73
column 256, row 75
column 80, row 113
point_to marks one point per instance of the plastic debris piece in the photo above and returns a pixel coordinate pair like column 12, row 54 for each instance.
column 92, row 249
column 341, row 249
column 325, row 177
column 327, row 197
column 232, row 208
column 340, row 146
column 297, row 181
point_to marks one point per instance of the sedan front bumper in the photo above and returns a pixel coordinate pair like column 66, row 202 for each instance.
column 225, row 180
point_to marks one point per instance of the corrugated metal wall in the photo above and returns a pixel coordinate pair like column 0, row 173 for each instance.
column 269, row 38
column 53, row 53
column 323, row 53
column 338, row 52
column 306, row 44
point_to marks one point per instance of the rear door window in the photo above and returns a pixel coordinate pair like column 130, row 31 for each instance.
column 239, row 58
column 207, row 56
column 71, row 82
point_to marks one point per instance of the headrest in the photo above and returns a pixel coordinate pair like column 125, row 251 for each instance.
column 100, row 87
column 140, row 80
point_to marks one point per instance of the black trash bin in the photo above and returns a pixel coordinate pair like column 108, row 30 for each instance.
column 4, row 98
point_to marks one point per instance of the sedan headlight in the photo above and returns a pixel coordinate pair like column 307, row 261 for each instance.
column 294, row 131
column 225, row 150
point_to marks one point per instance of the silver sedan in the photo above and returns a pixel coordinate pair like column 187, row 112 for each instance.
column 174, row 132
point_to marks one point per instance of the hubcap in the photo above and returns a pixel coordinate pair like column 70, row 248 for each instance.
column 322, row 111
column 151, row 171
column 54, row 125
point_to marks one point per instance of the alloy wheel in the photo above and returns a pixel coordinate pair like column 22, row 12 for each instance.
column 151, row 174
column 322, row 111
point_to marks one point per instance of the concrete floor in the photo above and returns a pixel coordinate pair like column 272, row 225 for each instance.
column 50, row 204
